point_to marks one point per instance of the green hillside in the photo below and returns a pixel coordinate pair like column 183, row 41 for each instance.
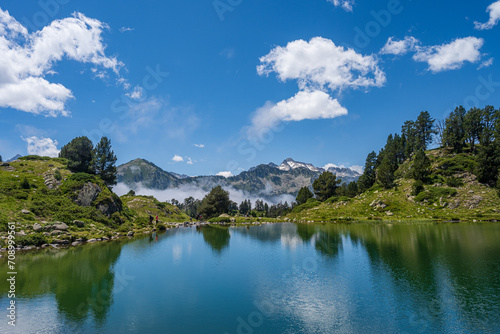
column 40, row 193
column 453, row 193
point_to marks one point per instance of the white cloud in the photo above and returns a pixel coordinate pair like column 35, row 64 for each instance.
column 401, row 47
column 486, row 63
column 125, row 29
column 357, row 168
column 28, row 58
column 226, row 174
column 304, row 105
column 450, row 56
column 199, row 145
column 136, row 94
column 177, row 158
column 330, row 165
column 346, row 4
column 189, row 162
column 320, row 64
column 494, row 10
column 45, row 147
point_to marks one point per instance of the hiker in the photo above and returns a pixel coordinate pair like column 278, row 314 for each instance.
column 157, row 219
column 150, row 219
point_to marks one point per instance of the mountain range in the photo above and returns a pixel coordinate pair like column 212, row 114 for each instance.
column 265, row 180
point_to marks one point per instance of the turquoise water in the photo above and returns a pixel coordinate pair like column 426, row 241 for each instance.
column 281, row 278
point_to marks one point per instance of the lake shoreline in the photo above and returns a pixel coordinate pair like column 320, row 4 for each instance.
column 148, row 231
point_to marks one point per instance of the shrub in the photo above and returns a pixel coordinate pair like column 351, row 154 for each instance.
column 161, row 227
column 36, row 239
column 417, row 188
column 433, row 194
column 454, row 182
column 25, row 184
column 57, row 175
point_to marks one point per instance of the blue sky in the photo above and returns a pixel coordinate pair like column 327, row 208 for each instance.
column 201, row 87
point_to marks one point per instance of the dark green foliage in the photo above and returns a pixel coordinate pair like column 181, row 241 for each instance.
column 325, row 185
column 459, row 163
column 473, row 126
column 488, row 164
column 424, row 129
column 369, row 174
column 409, row 132
column 34, row 157
column 36, row 239
column 433, row 194
column 161, row 227
column 78, row 152
column 352, row 189
column 215, row 203
column 103, row 162
column 421, row 166
column 57, row 175
column 279, row 209
column 25, row 184
column 454, row 133
column 131, row 193
column 454, row 182
column 417, row 188
column 259, row 205
column 245, row 207
column 303, row 195
column 385, row 173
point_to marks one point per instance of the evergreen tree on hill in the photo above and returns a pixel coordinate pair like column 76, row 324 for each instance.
column 103, row 162
column 303, row 195
column 325, row 185
column 79, row 154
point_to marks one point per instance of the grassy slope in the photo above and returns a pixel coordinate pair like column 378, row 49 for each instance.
column 56, row 205
column 143, row 206
column 403, row 206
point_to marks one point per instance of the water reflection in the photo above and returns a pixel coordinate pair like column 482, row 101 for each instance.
column 216, row 237
column 318, row 278
column 80, row 279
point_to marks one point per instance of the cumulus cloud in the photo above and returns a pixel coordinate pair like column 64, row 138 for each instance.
column 44, row 147
column 226, row 174
column 304, row 105
column 320, row 64
column 177, row 158
column 189, row 162
column 28, row 58
column 494, row 10
column 401, row 47
column 356, row 168
column 199, row 145
column 452, row 55
column 346, row 4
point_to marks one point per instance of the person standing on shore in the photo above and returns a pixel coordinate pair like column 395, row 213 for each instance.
column 156, row 219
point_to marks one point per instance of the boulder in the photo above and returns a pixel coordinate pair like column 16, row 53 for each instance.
column 88, row 194
column 55, row 232
column 389, row 213
column 21, row 233
column 60, row 242
column 130, row 234
column 92, row 240
column 79, row 223
column 24, row 211
column 76, row 243
column 61, row 226
column 109, row 207
column 37, row 227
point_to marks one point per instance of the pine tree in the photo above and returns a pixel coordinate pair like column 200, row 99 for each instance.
column 424, row 129
column 473, row 124
column 103, row 162
column 454, row 132
column 303, row 195
column 325, row 185
column 215, row 203
column 368, row 178
column 79, row 154
column 385, row 173
column 421, row 166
